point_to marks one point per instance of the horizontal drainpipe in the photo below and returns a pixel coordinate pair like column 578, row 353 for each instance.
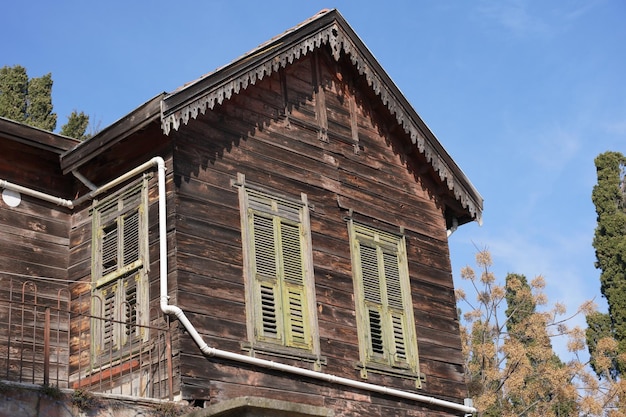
column 34, row 193
column 156, row 161
column 174, row 310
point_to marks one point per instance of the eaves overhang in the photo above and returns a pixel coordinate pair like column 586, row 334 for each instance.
column 326, row 28
column 35, row 137
column 134, row 121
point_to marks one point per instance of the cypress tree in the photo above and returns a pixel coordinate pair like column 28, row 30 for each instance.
column 39, row 103
column 26, row 100
column 13, row 93
column 76, row 126
column 29, row 101
column 610, row 245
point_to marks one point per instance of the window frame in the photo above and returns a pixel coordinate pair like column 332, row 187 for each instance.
column 377, row 293
column 123, row 285
column 283, row 214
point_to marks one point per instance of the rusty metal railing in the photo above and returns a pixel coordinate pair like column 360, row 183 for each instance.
column 46, row 338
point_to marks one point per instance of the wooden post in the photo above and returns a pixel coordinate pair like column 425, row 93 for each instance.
column 46, row 348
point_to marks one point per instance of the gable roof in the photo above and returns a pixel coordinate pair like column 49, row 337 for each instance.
column 328, row 27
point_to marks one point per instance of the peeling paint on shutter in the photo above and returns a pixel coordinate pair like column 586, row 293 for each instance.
column 109, row 249
column 293, row 274
column 264, row 247
column 281, row 311
column 269, row 320
column 119, row 266
column 131, row 236
column 297, row 332
column 386, row 335
column 370, row 274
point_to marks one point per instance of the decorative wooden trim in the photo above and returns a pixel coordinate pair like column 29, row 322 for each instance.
column 321, row 113
column 328, row 29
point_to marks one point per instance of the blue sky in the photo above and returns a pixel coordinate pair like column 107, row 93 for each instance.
column 522, row 93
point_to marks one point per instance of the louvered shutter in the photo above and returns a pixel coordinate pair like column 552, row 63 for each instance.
column 396, row 307
column 120, row 255
column 388, row 341
column 297, row 331
column 131, row 236
column 108, row 297
column 266, row 275
column 278, row 269
column 268, row 313
column 130, row 307
column 373, row 298
column 109, row 249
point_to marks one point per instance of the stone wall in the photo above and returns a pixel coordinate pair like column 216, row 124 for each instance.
column 36, row 401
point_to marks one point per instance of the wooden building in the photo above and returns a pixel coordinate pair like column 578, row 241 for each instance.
column 270, row 239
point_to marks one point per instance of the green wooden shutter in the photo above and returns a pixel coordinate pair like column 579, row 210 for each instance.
column 396, row 307
column 109, row 248
column 269, row 318
column 388, row 341
column 370, row 275
column 108, row 296
column 297, row 331
column 130, row 308
column 131, row 236
column 279, row 271
column 266, row 276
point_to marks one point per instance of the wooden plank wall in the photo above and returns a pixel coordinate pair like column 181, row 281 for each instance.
column 349, row 157
column 106, row 167
column 34, row 240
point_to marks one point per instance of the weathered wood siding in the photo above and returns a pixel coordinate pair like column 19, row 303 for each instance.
column 34, row 240
column 311, row 128
column 106, row 167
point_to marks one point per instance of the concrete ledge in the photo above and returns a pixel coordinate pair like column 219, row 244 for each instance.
column 261, row 407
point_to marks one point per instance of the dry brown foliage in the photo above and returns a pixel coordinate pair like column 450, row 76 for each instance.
column 511, row 367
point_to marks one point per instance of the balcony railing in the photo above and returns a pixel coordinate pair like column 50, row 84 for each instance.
column 45, row 338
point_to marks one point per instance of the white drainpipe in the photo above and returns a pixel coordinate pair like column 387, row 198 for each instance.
column 180, row 315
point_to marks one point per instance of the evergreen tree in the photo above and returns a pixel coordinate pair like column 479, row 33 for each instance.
column 528, row 328
column 13, row 93
column 76, row 126
column 610, row 245
column 39, row 103
column 27, row 100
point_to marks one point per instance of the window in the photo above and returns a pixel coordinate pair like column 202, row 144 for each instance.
column 277, row 254
column 119, row 267
column 385, row 324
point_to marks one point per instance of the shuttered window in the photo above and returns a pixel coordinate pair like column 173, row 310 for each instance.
column 119, row 263
column 277, row 251
column 383, row 300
